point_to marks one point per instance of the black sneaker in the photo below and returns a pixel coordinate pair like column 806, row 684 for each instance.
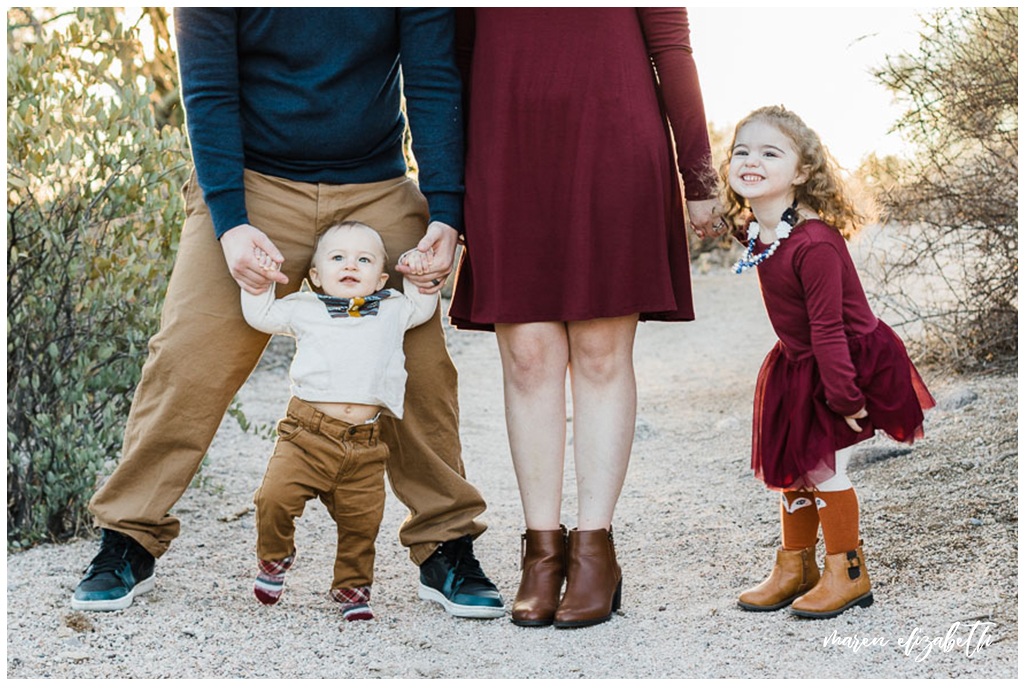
column 120, row 571
column 452, row 577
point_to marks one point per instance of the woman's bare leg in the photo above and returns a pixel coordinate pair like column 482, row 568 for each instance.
column 534, row 360
column 604, row 413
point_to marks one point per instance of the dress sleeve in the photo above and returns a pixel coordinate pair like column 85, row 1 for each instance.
column 208, row 62
column 667, row 35
column 820, row 270
column 420, row 307
column 433, row 100
column 268, row 314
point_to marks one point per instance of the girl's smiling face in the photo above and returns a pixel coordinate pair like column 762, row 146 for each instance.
column 764, row 165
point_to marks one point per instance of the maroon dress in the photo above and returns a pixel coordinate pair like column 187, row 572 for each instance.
column 833, row 358
column 573, row 209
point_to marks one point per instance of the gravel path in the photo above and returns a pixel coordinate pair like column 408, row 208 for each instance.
column 693, row 529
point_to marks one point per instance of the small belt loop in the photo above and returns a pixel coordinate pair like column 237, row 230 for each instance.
column 318, row 418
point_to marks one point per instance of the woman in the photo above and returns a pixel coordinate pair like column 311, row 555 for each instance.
column 574, row 231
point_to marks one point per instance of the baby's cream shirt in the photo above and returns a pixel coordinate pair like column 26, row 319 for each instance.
column 344, row 359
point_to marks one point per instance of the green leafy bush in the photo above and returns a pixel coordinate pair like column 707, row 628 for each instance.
column 93, row 210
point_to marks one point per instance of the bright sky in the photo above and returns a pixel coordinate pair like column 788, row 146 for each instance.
column 815, row 61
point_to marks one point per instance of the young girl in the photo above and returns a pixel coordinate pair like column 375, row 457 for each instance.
column 836, row 374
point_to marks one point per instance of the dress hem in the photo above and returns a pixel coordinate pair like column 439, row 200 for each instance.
column 645, row 314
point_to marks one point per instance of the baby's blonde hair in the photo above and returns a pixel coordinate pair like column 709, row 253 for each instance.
column 824, row 190
column 348, row 225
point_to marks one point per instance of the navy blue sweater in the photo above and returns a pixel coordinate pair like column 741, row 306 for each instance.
column 314, row 95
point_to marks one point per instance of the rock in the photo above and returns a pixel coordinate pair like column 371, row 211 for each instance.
column 643, row 430
column 974, row 521
column 75, row 656
column 876, row 453
column 727, row 424
column 78, row 621
column 957, row 399
column 237, row 514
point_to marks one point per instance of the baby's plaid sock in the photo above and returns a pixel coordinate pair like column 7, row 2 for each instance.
column 355, row 602
column 270, row 580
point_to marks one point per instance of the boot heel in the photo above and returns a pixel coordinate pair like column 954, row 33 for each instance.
column 866, row 601
column 617, row 598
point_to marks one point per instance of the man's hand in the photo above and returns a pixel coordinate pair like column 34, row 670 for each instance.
column 241, row 245
column 440, row 240
column 851, row 420
column 705, row 217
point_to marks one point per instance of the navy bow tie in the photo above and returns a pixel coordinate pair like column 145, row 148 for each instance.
column 354, row 307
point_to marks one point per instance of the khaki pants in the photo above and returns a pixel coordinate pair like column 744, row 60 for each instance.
column 340, row 463
column 204, row 352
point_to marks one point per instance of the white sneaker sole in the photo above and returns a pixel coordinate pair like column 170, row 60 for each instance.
column 144, row 586
column 456, row 610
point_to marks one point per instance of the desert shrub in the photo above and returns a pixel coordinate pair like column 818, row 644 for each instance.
column 92, row 214
column 952, row 266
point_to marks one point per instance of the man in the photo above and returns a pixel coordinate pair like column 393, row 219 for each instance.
column 295, row 125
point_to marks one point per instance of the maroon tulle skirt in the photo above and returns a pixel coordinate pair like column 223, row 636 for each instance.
column 796, row 434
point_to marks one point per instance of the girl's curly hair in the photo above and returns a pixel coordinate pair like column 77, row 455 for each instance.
column 824, row 191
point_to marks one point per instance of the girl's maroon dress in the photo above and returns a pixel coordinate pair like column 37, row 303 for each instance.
column 833, row 358
column 573, row 209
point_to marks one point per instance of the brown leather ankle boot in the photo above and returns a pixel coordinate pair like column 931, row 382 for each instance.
column 593, row 580
column 844, row 584
column 543, row 565
column 795, row 572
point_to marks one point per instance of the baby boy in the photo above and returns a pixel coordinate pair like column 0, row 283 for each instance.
column 349, row 367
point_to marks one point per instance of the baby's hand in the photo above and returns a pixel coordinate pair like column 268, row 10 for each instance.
column 265, row 261
column 419, row 261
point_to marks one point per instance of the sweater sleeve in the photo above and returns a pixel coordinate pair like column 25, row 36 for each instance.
column 419, row 307
column 667, row 35
column 820, row 270
column 433, row 101
column 208, row 64
column 268, row 314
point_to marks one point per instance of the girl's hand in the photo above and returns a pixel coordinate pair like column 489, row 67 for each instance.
column 851, row 420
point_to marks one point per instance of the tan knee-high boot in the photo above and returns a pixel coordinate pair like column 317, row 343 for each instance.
column 844, row 584
column 795, row 572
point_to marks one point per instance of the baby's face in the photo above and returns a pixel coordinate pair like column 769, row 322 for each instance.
column 349, row 263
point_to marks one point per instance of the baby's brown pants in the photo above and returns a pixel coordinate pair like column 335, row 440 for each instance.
column 340, row 463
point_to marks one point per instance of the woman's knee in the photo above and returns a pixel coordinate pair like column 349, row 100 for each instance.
column 533, row 355
column 601, row 351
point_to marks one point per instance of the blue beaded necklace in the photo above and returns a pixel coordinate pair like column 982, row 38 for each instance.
column 789, row 220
